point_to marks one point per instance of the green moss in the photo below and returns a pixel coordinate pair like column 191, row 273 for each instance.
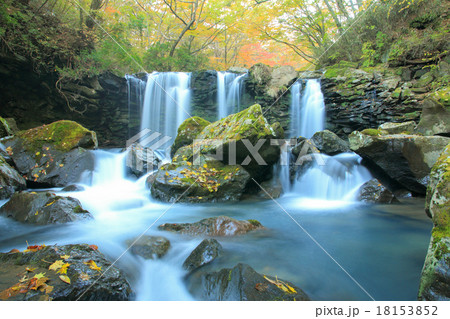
column 79, row 210
column 62, row 135
column 397, row 93
column 254, row 222
column 188, row 131
column 371, row 132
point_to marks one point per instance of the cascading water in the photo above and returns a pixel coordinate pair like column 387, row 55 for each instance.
column 307, row 109
column 329, row 178
column 166, row 102
column 229, row 92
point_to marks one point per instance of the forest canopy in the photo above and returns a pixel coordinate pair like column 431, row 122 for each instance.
column 79, row 37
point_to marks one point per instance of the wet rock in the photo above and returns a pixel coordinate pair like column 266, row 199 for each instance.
column 85, row 283
column 204, row 253
column 214, row 226
column 54, row 154
column 10, row 180
column 141, row 160
column 73, row 188
column 208, row 181
column 270, row 189
column 435, row 118
column 398, row 128
column 374, row 192
column 149, row 247
column 243, row 283
column 304, row 147
column 188, row 131
column 405, row 159
column 435, row 280
column 43, row 208
column 329, row 143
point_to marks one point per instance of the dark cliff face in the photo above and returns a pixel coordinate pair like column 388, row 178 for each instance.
column 98, row 103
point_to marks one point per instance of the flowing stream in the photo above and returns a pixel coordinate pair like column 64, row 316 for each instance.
column 382, row 247
column 229, row 92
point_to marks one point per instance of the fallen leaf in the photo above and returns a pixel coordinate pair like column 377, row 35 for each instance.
column 281, row 285
column 13, row 251
column 65, row 279
column 63, row 269
column 51, row 203
column 93, row 247
column 261, row 287
column 30, row 269
column 39, row 275
column 56, row 265
column 65, row 257
column 93, row 265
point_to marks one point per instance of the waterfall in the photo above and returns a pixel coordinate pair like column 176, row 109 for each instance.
column 307, row 109
column 135, row 94
column 166, row 102
column 328, row 178
column 332, row 177
column 229, row 92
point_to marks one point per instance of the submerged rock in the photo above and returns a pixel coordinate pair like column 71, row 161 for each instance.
column 188, row 131
column 10, row 180
column 329, row 143
column 149, row 247
column 43, row 208
column 375, row 192
column 405, row 159
column 204, row 253
column 54, row 154
column 214, row 226
column 243, row 283
column 211, row 181
column 435, row 280
column 86, row 283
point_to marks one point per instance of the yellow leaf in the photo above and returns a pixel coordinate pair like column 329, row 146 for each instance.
column 38, row 153
column 189, row 163
column 30, row 269
column 167, row 173
column 61, row 165
column 93, row 265
column 56, row 265
column 65, row 279
column 39, row 275
column 37, row 212
column 51, row 203
column 63, row 269
column 205, row 166
column 65, row 257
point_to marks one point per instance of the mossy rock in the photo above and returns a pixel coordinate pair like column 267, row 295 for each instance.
column 208, row 181
column 7, row 127
column 372, row 132
column 188, row 131
column 435, row 280
column 435, row 117
column 10, row 180
column 54, row 154
column 62, row 135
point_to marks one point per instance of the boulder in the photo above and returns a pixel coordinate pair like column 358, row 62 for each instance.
column 188, row 131
column 398, row 128
column 73, row 188
column 10, row 180
column 435, row 118
column 435, row 279
column 149, row 247
column 53, row 155
column 43, row 208
column 82, row 280
column 260, row 74
column 141, row 160
column 209, row 181
column 405, row 159
column 329, row 143
column 270, row 189
column 374, row 192
column 243, row 283
column 234, row 136
column 303, row 147
column 280, row 79
column 214, row 226
column 204, row 253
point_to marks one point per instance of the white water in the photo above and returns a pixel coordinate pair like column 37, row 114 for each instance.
column 229, row 91
column 307, row 109
column 167, row 100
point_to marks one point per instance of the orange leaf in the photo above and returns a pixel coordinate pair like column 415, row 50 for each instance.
column 93, row 247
